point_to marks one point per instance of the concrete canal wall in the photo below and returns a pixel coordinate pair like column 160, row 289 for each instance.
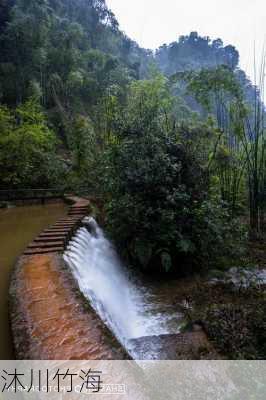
column 50, row 318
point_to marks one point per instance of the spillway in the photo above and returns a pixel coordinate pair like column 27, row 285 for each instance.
column 127, row 308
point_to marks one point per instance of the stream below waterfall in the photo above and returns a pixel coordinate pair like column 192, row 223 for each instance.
column 131, row 307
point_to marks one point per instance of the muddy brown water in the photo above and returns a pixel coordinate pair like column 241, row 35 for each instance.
column 18, row 227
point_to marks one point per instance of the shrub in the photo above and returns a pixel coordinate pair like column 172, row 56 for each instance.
column 158, row 210
column 27, row 148
column 159, row 206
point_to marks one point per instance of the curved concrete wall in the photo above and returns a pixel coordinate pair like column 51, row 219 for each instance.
column 50, row 318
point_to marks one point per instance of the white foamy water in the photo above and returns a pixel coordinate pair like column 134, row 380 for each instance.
column 101, row 277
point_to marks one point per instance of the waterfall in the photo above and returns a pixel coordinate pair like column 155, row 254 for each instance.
column 105, row 282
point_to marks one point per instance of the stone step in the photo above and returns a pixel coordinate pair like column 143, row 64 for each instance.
column 47, row 239
column 67, row 222
column 59, row 227
column 43, row 245
column 55, row 238
column 55, row 227
column 70, row 221
column 79, row 208
column 53, row 231
column 31, row 252
column 65, row 225
column 69, row 218
column 56, row 230
column 73, row 213
column 53, row 234
column 64, row 228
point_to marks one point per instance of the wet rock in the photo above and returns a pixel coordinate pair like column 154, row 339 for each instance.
column 183, row 346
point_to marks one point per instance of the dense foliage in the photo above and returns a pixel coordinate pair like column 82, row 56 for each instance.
column 173, row 141
column 158, row 186
column 194, row 52
column 27, row 156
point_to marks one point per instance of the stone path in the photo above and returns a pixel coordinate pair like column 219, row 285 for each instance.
column 56, row 238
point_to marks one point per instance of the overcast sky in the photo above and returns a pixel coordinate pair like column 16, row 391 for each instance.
column 154, row 22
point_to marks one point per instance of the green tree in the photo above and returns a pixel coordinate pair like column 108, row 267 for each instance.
column 27, row 148
column 155, row 188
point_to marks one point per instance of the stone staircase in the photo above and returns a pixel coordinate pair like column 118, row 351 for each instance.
column 56, row 238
